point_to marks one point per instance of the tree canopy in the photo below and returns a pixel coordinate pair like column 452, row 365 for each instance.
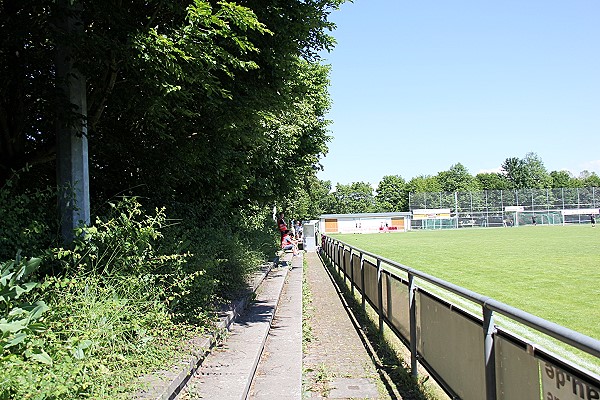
column 528, row 172
column 457, row 179
column 216, row 103
column 391, row 194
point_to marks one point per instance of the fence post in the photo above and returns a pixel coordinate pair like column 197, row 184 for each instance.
column 412, row 305
column 352, row 278
column 336, row 259
column 342, row 259
column 490, row 358
column 362, row 281
column 380, row 295
column 333, row 250
column 342, row 270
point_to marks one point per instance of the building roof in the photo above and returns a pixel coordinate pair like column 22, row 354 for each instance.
column 368, row 215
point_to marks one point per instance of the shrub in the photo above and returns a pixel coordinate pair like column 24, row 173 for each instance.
column 109, row 317
column 123, row 303
column 18, row 318
column 28, row 220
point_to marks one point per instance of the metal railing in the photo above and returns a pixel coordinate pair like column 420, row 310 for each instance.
column 468, row 354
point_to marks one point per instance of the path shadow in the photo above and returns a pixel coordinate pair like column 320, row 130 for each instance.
column 392, row 369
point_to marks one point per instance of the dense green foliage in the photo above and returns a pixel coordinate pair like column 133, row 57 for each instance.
column 210, row 103
column 125, row 302
column 201, row 115
column 391, row 194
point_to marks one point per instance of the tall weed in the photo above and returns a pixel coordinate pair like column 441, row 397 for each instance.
column 28, row 220
column 124, row 300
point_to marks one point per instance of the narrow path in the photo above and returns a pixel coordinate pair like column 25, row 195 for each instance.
column 336, row 363
column 263, row 357
column 226, row 374
column 279, row 373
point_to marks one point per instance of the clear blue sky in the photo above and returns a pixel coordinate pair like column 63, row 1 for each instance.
column 418, row 86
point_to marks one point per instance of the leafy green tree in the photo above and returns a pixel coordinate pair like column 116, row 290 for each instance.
column 391, row 194
column 492, row 181
column 424, row 184
column 514, row 170
column 356, row 197
column 310, row 200
column 589, row 179
column 526, row 173
column 457, row 179
column 137, row 51
column 564, row 179
column 538, row 175
column 215, row 104
column 251, row 133
column 327, row 200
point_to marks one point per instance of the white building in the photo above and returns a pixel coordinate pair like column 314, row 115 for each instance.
column 365, row 223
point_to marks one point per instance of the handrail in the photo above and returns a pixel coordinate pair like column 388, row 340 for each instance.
column 489, row 306
column 573, row 338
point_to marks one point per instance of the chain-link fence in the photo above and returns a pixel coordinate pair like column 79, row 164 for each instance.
column 508, row 207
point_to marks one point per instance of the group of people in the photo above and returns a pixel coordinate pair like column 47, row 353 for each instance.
column 289, row 237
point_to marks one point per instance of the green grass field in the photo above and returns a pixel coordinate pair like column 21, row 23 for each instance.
column 549, row 271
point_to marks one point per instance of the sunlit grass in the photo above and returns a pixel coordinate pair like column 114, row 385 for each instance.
column 549, row 271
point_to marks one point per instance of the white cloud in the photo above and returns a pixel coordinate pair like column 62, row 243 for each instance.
column 592, row 166
column 490, row 171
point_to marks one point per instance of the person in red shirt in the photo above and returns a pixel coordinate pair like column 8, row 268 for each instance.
column 281, row 225
column 287, row 243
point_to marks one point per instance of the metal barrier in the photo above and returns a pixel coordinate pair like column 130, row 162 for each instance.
column 468, row 354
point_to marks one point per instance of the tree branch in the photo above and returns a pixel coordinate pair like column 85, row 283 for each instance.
column 97, row 107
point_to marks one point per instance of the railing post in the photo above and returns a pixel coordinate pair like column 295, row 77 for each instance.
column 388, row 299
column 333, row 250
column 362, row 281
column 490, row 357
column 412, row 309
column 380, row 295
column 352, row 281
column 342, row 270
column 342, row 259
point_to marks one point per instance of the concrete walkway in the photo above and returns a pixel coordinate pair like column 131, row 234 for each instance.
column 263, row 358
column 228, row 371
column 279, row 374
column 336, row 361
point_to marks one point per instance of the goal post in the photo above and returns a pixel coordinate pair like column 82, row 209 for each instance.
column 433, row 218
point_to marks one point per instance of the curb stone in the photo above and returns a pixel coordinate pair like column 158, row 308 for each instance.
column 166, row 384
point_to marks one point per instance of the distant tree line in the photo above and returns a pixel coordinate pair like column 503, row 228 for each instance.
column 392, row 192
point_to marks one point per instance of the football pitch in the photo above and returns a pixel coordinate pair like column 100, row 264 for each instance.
column 550, row 271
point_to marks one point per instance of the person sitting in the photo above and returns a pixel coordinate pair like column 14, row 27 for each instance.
column 287, row 243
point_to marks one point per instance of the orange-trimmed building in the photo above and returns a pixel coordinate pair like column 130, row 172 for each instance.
column 365, row 223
